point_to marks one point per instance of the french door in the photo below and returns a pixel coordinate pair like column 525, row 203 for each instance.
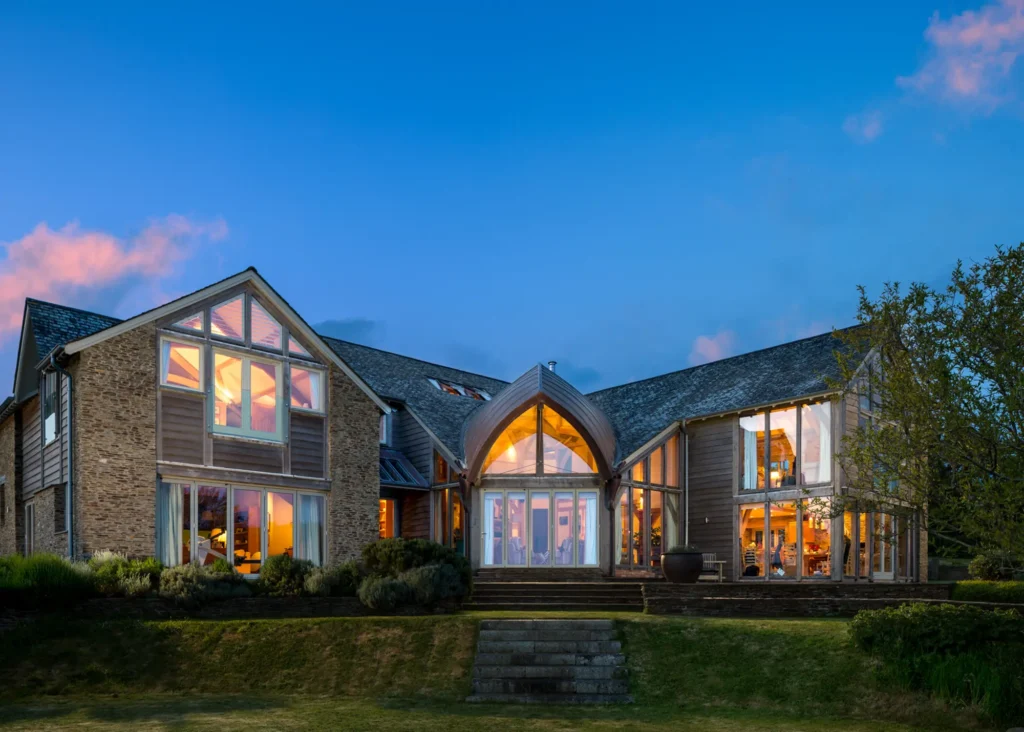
column 884, row 546
column 540, row 528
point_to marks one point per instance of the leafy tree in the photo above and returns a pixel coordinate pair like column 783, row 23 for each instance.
column 943, row 387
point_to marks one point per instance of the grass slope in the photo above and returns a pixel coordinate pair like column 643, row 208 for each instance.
column 716, row 675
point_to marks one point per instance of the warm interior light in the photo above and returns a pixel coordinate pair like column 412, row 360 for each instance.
column 510, row 453
column 225, row 393
column 775, row 476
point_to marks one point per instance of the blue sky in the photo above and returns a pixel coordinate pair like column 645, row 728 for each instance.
column 489, row 185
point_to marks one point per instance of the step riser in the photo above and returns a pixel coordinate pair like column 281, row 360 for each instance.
column 581, row 624
column 576, row 647
column 571, row 673
column 547, row 635
column 549, row 659
column 548, row 686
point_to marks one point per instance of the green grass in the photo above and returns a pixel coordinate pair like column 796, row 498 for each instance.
column 714, row 675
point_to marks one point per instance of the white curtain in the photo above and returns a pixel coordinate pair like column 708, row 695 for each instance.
column 671, row 520
column 825, row 442
column 489, row 499
column 168, row 524
column 619, row 539
column 749, row 460
column 311, row 522
column 590, row 547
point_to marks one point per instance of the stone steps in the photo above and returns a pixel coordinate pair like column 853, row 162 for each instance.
column 549, row 661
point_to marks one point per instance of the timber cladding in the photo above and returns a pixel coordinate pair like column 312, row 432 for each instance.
column 115, row 416
column 712, row 511
column 354, row 458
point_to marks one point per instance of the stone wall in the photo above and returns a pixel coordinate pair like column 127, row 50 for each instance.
column 50, row 534
column 354, row 453
column 11, row 516
column 115, row 444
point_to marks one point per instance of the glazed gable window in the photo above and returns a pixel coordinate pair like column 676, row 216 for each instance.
column 306, row 390
column 786, row 447
column 181, row 364
column 246, row 396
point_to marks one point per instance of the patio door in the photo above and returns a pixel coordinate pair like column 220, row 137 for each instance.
column 540, row 528
column 884, row 546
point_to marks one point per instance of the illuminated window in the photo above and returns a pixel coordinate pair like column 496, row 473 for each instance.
column 51, row 410
column 227, row 320
column 454, row 389
column 246, row 396
column 672, row 462
column 295, row 347
column 192, row 322
column 637, row 473
column 565, row 450
column 515, row 450
column 266, row 332
column 782, row 444
column 657, row 469
column 752, row 436
column 181, row 365
column 387, row 518
column 305, row 392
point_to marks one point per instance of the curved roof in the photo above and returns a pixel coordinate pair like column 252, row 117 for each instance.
column 538, row 385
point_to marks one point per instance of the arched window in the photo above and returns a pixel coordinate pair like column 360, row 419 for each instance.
column 560, row 451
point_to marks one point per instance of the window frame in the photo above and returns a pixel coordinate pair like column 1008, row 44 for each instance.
column 246, row 431
column 201, row 345
column 44, row 398
column 798, row 457
column 384, row 429
column 321, row 375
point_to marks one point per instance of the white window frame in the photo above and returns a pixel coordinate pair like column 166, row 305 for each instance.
column 201, row 345
column 321, row 375
column 47, row 375
column 246, row 429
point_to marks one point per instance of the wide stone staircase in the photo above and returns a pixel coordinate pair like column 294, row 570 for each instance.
column 549, row 661
column 600, row 596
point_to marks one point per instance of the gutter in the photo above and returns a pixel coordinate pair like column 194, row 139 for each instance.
column 69, row 503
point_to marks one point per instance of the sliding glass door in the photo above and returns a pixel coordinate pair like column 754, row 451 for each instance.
column 544, row 528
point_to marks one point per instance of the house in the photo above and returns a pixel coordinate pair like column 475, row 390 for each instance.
column 221, row 425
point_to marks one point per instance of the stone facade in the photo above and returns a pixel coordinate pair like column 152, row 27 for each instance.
column 353, row 457
column 115, row 444
column 50, row 534
column 10, row 505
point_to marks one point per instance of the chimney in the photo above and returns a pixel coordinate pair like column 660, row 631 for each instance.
column 551, row 365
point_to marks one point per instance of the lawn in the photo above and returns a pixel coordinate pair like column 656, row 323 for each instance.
column 412, row 674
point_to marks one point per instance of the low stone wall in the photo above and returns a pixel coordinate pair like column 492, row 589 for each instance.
column 804, row 600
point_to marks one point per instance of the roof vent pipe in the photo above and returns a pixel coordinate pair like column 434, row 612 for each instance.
column 551, row 365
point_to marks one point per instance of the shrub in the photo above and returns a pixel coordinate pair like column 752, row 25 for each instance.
column 42, row 581
column 134, row 585
column 385, row 593
column 391, row 557
column 222, row 566
column 114, row 572
column 192, row 585
column 993, row 566
column 981, row 591
column 961, row 653
column 282, row 576
column 340, row 580
column 433, row 583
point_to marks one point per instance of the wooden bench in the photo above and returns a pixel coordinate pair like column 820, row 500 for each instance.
column 713, row 568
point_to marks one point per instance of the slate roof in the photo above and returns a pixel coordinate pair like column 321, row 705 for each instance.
column 641, row 409
column 54, row 325
column 404, row 379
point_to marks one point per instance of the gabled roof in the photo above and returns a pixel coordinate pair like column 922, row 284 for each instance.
column 76, row 330
column 407, row 380
column 54, row 325
column 641, row 409
column 539, row 384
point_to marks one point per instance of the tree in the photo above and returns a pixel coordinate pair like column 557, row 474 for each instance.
column 943, row 385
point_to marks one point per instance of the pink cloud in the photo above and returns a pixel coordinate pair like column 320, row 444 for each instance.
column 971, row 55
column 718, row 346
column 865, row 127
column 46, row 263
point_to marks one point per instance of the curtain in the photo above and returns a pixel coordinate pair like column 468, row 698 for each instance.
column 671, row 530
column 590, row 549
column 621, row 557
column 489, row 528
column 749, row 460
column 311, row 521
column 168, row 524
column 825, row 443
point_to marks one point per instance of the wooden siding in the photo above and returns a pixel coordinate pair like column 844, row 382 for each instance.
column 31, row 448
column 415, row 515
column 413, row 441
column 306, row 445
column 181, row 427
column 712, row 511
column 246, row 455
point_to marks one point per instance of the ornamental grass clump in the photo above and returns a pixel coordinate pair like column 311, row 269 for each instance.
column 43, row 581
column 339, row 580
column 114, row 574
column 192, row 585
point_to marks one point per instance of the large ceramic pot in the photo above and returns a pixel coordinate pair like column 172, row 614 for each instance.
column 683, row 568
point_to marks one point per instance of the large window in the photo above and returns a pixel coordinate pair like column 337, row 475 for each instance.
column 227, row 320
column 203, row 523
column 879, row 546
column 181, row 365
column 543, row 528
column 646, row 525
column 307, row 394
column 560, row 450
column 784, row 540
column 247, row 393
column 786, row 447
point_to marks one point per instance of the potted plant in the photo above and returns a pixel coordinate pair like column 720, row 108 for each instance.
column 682, row 564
